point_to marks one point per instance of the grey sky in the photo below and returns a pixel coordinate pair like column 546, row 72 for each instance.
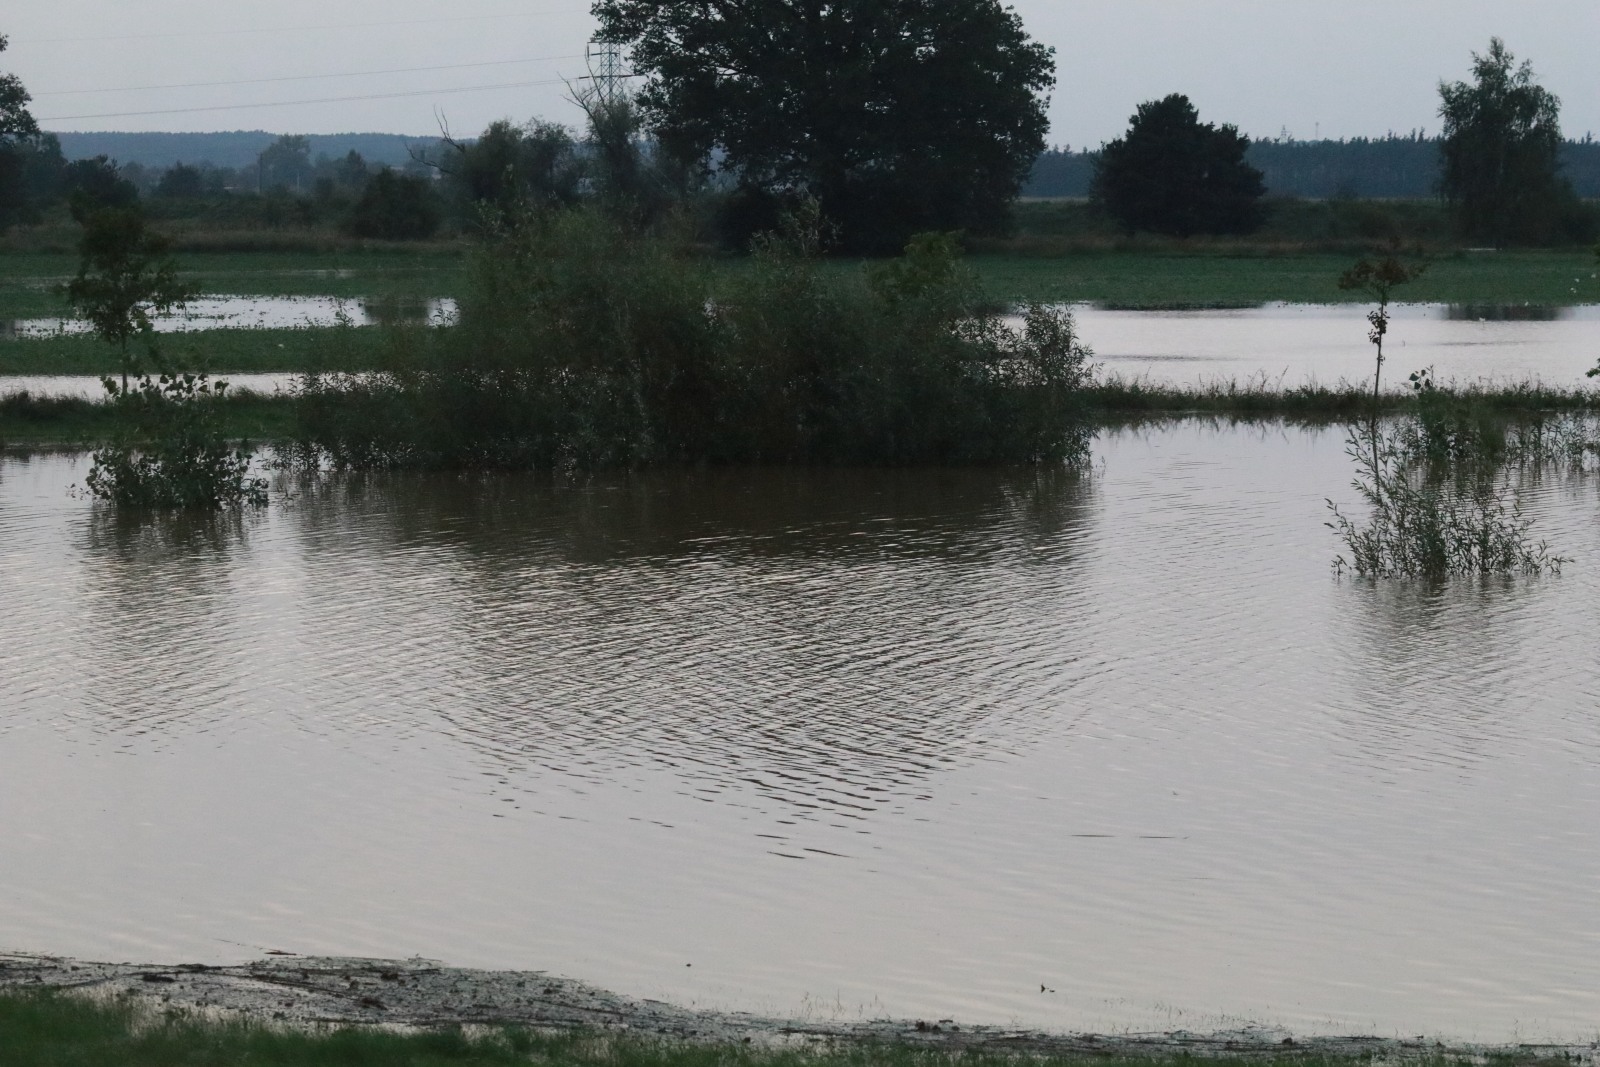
column 1355, row 67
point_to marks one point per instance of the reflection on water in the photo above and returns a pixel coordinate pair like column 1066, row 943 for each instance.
column 1326, row 343
column 900, row 741
column 264, row 312
column 1516, row 313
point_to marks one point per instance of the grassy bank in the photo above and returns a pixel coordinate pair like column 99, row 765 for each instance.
column 28, row 422
column 51, row 1030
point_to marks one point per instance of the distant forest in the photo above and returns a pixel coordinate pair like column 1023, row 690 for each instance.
column 1394, row 167
column 1384, row 168
column 234, row 150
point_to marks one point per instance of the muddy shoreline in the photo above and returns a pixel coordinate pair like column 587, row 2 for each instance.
column 311, row 991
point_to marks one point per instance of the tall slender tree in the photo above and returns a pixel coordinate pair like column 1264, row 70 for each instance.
column 1501, row 147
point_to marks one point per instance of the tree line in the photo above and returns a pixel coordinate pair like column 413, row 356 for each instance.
column 895, row 117
column 1393, row 167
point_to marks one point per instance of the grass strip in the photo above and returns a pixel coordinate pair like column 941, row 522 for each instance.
column 1158, row 277
column 49, row 1029
column 28, row 421
column 229, row 351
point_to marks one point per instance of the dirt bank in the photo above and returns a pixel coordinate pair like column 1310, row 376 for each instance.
column 307, row 990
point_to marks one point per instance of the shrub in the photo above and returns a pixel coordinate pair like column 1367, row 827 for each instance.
column 173, row 454
column 1440, row 502
column 586, row 344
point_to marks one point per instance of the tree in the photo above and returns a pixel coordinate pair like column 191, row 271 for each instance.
column 897, row 116
column 1171, row 173
column 18, row 134
column 510, row 163
column 396, row 207
column 181, row 182
column 97, row 181
column 285, row 163
column 1502, row 138
column 15, row 121
column 125, row 277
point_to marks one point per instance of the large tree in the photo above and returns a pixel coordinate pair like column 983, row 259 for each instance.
column 18, row 134
column 1171, row 173
column 15, row 121
column 896, row 115
column 1502, row 140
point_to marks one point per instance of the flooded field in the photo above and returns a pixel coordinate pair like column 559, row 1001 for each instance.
column 1106, row 751
column 1283, row 344
column 1293, row 344
column 260, row 313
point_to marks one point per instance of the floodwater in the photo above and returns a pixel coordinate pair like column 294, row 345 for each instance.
column 261, row 313
column 1110, row 751
column 1281, row 344
column 1296, row 344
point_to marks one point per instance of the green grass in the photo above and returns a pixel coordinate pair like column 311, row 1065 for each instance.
column 35, row 422
column 1164, row 274
column 51, row 1030
column 28, row 280
column 72, row 422
column 1220, row 278
column 218, row 351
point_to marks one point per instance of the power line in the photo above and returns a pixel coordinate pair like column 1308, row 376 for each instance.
column 304, row 77
column 276, row 29
column 297, row 103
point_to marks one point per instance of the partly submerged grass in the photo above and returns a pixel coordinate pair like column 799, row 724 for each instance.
column 46, row 1029
column 29, row 281
column 1167, row 275
column 229, row 351
column 28, row 421
column 32, row 421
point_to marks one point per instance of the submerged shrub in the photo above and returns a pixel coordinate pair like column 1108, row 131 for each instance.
column 584, row 343
column 1437, row 506
column 174, row 454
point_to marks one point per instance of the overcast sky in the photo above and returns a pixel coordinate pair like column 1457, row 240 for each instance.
column 1338, row 68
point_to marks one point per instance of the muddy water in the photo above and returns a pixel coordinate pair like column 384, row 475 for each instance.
column 887, row 742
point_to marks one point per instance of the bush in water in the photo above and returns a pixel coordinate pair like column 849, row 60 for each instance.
column 175, row 455
column 1435, row 510
column 586, row 344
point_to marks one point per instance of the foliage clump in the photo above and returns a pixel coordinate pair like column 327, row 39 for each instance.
column 586, row 343
column 1172, row 174
column 172, row 452
column 1438, row 505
